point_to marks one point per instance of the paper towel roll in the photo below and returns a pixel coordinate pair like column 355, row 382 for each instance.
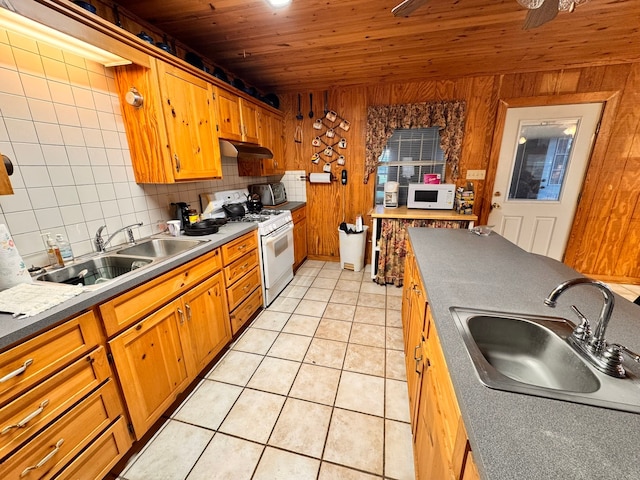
column 13, row 270
column 320, row 177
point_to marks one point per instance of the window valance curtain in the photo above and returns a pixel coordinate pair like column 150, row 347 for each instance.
column 382, row 120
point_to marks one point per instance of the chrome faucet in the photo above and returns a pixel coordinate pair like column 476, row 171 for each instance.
column 101, row 244
column 593, row 346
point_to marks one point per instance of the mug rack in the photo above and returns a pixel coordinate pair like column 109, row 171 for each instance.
column 329, row 127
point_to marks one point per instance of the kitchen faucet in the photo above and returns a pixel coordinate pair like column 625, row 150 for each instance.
column 593, row 346
column 101, row 244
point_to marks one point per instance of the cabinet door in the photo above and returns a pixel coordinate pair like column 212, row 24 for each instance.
column 208, row 321
column 151, row 364
column 229, row 124
column 249, row 121
column 299, row 237
column 190, row 119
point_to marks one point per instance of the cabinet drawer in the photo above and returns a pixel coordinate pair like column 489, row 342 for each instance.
column 29, row 413
column 236, row 248
column 299, row 214
column 57, row 445
column 244, row 311
column 237, row 269
column 243, row 288
column 97, row 460
column 24, row 365
column 131, row 306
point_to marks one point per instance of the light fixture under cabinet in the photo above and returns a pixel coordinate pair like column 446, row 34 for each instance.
column 26, row 27
column 278, row 3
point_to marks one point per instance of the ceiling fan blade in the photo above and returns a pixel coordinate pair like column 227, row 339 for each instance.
column 407, row 7
column 539, row 16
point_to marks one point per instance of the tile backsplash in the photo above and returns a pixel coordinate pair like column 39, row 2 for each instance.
column 60, row 124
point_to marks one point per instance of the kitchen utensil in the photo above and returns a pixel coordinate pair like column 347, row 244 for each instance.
column 194, row 60
column 205, row 227
column 234, row 210
column 299, row 115
column 326, row 102
column 254, row 204
column 163, row 45
column 311, row 105
column 116, row 16
column 182, row 213
column 331, row 115
column 145, row 36
column 86, row 5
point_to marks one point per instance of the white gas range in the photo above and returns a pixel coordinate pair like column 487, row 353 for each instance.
column 275, row 232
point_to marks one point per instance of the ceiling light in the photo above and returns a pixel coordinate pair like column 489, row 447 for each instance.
column 41, row 33
column 278, row 3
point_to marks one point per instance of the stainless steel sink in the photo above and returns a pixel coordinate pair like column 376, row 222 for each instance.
column 95, row 270
column 159, row 247
column 529, row 354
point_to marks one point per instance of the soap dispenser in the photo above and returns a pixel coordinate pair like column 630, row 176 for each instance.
column 53, row 251
column 65, row 248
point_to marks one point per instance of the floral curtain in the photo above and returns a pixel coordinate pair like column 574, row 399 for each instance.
column 393, row 246
column 382, row 120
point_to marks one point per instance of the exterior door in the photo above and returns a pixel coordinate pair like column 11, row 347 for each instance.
column 541, row 167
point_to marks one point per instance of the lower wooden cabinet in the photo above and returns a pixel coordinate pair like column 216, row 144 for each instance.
column 299, row 236
column 441, row 446
column 158, row 357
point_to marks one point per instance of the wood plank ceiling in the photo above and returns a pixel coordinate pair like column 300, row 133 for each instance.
column 337, row 43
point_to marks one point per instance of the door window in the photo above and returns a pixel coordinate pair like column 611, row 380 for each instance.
column 541, row 160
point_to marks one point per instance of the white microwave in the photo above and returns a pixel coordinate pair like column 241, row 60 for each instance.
column 433, row 196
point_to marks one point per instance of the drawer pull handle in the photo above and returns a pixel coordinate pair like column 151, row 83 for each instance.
column 23, row 423
column 188, row 307
column 181, row 313
column 417, row 359
column 45, row 459
column 17, row 371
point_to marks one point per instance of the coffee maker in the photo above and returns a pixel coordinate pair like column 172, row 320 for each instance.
column 182, row 213
column 391, row 194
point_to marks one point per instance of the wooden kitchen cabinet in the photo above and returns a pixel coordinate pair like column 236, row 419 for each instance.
column 270, row 135
column 172, row 135
column 237, row 117
column 57, row 398
column 159, row 356
column 441, row 446
column 243, row 279
column 299, row 236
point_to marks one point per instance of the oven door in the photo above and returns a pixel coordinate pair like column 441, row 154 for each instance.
column 277, row 255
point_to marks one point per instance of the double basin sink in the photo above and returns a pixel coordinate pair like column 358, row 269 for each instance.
column 102, row 268
column 529, row 354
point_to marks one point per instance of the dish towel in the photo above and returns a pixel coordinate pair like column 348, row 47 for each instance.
column 28, row 299
column 13, row 270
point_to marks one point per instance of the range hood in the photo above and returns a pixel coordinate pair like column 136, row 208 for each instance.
column 247, row 151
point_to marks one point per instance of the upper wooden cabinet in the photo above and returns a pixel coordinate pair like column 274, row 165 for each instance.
column 237, row 117
column 172, row 135
column 270, row 135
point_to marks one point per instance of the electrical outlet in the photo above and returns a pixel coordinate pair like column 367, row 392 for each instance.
column 476, row 174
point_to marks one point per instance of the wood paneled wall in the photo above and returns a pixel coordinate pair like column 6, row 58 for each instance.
column 605, row 240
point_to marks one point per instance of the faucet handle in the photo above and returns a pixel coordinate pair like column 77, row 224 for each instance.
column 622, row 349
column 582, row 331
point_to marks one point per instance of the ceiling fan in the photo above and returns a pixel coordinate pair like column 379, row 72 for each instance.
column 540, row 11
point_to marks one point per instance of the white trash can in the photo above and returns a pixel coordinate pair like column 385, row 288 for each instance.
column 352, row 246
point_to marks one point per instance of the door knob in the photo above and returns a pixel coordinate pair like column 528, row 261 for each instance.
column 497, row 194
column 495, row 205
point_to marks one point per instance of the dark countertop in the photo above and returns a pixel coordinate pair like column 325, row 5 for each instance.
column 516, row 436
column 14, row 331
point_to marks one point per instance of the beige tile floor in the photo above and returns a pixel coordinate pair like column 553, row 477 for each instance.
column 314, row 389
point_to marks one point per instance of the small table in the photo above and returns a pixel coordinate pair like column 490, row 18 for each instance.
column 378, row 213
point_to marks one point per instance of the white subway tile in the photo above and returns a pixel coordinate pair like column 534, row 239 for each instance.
column 17, row 202
column 73, row 59
column 4, row 135
column 88, row 118
column 6, row 57
column 21, row 130
column 77, row 155
column 14, row 106
column 29, row 244
column 83, row 97
column 55, row 155
column 50, row 52
column 41, row 197
column 92, row 211
column 21, row 222
column 102, row 174
column 35, row 87
column 87, row 193
column 92, row 137
column 82, row 175
column 55, row 70
column 97, row 156
column 78, row 77
column 28, row 62
column 67, row 114
column 42, row 111
column 98, row 81
column 106, row 192
column 35, row 176
column 20, row 41
column 125, row 205
column 48, row 218
column 72, row 136
column 122, row 189
column 61, row 93
column 111, row 140
column 72, row 214
column 78, row 232
column 10, row 82
column 49, row 133
column 107, row 121
column 60, row 175
column 110, row 209
column 119, row 174
column 66, row 195
column 103, row 102
column 28, row 154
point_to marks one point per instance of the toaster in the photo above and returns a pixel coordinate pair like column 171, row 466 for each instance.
column 270, row 193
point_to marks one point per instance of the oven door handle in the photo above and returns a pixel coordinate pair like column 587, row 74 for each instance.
column 285, row 231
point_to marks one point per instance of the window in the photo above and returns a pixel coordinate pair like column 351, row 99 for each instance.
column 408, row 155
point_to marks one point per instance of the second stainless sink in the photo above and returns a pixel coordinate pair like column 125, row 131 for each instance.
column 96, row 270
column 529, row 354
column 159, row 247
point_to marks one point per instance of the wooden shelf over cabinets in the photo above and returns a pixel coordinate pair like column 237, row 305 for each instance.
column 172, row 135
